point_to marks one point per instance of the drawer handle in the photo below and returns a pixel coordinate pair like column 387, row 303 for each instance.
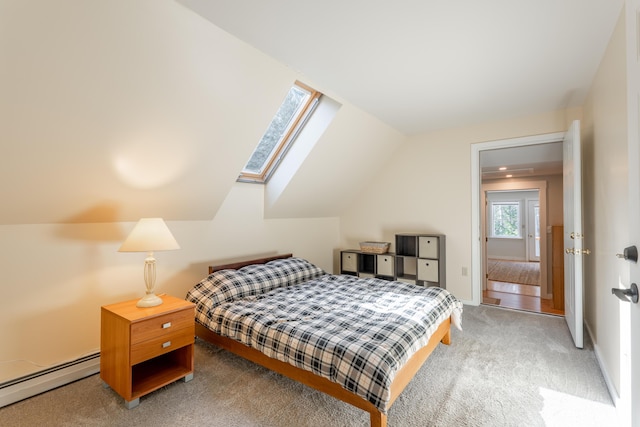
column 166, row 325
column 166, row 344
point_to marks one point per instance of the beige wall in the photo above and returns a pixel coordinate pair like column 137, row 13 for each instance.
column 126, row 77
column 606, row 193
column 55, row 277
column 427, row 187
column 116, row 110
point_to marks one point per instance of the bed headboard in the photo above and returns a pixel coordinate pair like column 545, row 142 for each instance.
column 240, row 264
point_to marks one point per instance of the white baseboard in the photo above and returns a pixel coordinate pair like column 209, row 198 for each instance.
column 39, row 382
column 607, row 378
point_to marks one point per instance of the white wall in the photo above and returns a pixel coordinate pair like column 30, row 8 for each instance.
column 512, row 248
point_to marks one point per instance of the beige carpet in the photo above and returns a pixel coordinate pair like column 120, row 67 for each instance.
column 506, row 368
column 525, row 273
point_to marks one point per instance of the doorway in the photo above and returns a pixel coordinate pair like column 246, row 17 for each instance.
column 513, row 247
column 534, row 166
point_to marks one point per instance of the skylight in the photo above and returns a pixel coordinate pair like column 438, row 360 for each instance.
column 293, row 113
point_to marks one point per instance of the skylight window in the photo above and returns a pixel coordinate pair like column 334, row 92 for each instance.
column 293, row 113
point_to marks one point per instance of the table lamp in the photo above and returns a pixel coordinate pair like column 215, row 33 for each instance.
column 149, row 235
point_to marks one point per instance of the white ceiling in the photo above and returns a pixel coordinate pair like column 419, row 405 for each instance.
column 421, row 65
column 525, row 161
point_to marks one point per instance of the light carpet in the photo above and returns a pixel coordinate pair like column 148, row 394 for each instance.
column 506, row 368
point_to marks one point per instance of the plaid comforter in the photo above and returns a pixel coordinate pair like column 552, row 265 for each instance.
column 355, row 332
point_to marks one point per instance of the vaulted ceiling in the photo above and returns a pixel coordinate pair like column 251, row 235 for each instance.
column 115, row 110
column 420, row 65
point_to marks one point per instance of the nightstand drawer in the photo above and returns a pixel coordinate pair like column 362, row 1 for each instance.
column 164, row 344
column 160, row 326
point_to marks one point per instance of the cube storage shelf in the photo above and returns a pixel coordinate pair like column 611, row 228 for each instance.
column 363, row 264
column 419, row 259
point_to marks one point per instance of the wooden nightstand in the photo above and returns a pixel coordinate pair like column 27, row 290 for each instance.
column 143, row 349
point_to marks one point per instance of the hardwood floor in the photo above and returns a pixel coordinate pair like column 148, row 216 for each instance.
column 518, row 297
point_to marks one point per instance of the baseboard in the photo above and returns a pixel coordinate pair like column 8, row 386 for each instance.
column 48, row 379
column 607, row 378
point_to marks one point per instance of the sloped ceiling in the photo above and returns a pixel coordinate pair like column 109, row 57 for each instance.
column 115, row 110
column 111, row 111
column 421, row 65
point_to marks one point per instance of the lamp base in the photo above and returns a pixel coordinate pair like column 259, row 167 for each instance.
column 149, row 300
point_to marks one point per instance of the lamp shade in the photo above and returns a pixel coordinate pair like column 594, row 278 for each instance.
column 149, row 235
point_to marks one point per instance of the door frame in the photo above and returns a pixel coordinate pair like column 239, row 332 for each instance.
column 531, row 229
column 478, row 269
column 541, row 187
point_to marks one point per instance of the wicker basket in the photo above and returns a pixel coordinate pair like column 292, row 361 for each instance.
column 375, row 247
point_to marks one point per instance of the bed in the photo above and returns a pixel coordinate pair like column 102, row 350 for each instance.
column 358, row 340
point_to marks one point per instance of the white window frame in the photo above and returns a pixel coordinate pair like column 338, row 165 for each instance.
column 492, row 230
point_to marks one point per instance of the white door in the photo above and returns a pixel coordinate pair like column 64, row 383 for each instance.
column 573, row 237
column 533, row 230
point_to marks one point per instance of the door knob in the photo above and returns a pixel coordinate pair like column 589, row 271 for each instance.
column 630, row 254
column 627, row 295
column 578, row 251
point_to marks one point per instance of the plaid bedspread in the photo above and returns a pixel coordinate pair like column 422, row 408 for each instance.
column 355, row 332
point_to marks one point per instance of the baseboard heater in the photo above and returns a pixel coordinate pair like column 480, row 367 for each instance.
column 30, row 385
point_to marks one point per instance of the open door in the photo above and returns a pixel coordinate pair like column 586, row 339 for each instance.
column 533, row 230
column 573, row 236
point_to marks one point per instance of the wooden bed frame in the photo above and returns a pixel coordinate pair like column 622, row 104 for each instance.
column 402, row 378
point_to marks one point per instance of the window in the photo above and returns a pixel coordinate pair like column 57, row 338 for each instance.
column 293, row 113
column 505, row 219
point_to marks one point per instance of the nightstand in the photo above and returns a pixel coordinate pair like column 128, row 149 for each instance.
column 143, row 349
